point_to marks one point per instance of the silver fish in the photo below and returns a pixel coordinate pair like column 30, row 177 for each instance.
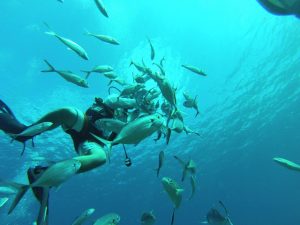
column 288, row 164
column 104, row 38
column 101, row 7
column 83, row 217
column 161, row 159
column 193, row 185
column 194, row 70
column 135, row 131
column 53, row 176
column 33, row 130
column 188, row 167
column 112, row 125
column 67, row 75
column 174, row 192
column 70, row 44
column 148, row 218
column 98, row 69
column 152, row 50
column 7, row 190
column 109, row 219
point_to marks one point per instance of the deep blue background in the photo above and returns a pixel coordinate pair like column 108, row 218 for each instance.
column 249, row 105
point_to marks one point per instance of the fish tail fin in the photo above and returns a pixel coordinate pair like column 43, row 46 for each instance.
column 88, row 73
column 110, row 82
column 44, row 210
column 183, row 174
column 13, row 136
column 157, row 172
column 22, row 189
column 131, row 63
column 107, row 143
column 173, row 216
column 86, row 32
column 52, row 33
column 168, row 135
column 50, row 69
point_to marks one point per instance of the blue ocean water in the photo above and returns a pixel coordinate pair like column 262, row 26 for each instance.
column 249, row 106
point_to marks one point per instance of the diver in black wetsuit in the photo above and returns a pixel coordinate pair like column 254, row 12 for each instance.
column 78, row 125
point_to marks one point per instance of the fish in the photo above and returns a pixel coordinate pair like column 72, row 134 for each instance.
column 214, row 217
column 112, row 125
column 108, row 219
column 131, row 89
column 177, row 125
column 33, row 130
column 135, row 131
column 188, row 167
column 191, row 103
column 193, row 185
column 194, row 70
column 3, row 201
column 166, row 108
column 118, row 80
column 70, row 44
column 139, row 67
column 62, row 1
column 288, row 164
column 133, row 115
column 141, row 79
column 162, row 71
column 174, row 192
column 148, row 218
column 7, row 190
column 280, row 8
column 84, row 216
column 166, row 89
column 67, row 75
column 101, row 8
column 114, row 101
column 152, row 50
column 53, row 176
column 161, row 159
column 152, row 94
column 98, row 69
column 104, row 38
column 110, row 75
column 190, row 131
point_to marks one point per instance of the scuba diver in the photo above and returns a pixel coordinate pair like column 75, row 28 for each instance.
column 78, row 125
column 282, row 7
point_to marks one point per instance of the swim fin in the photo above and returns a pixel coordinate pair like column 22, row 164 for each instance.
column 10, row 124
column 41, row 194
column 5, row 109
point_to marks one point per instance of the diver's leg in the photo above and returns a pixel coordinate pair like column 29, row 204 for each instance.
column 65, row 117
column 91, row 156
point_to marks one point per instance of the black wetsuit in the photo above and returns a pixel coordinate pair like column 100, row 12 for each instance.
column 97, row 111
